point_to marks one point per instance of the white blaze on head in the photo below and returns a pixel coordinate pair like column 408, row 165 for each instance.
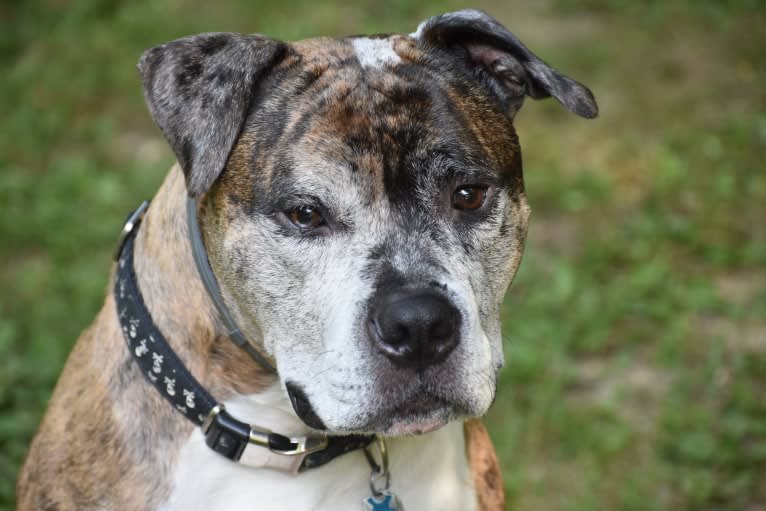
column 375, row 52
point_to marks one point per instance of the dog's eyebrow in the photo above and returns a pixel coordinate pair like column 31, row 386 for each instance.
column 308, row 192
column 445, row 165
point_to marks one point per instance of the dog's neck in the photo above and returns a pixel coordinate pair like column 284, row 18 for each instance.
column 179, row 303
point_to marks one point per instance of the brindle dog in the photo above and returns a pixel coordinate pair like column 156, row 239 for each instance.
column 363, row 209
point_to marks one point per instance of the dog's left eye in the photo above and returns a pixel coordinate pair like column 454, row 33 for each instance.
column 305, row 217
column 469, row 197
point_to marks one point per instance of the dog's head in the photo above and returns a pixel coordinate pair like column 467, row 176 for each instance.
column 363, row 205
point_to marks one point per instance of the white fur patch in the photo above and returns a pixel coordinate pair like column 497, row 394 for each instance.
column 375, row 53
column 427, row 472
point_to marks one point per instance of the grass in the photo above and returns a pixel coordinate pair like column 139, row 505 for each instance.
column 636, row 328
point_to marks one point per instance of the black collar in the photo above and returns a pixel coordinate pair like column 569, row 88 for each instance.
column 165, row 371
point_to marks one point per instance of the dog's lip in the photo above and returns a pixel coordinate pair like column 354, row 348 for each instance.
column 303, row 407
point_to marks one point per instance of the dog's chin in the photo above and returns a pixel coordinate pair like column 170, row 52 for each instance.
column 420, row 414
column 415, row 425
column 416, row 416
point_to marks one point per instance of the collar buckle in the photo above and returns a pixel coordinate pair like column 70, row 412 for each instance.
column 232, row 439
column 305, row 445
column 286, row 454
column 287, row 446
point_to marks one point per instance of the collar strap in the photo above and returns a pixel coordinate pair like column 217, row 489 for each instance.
column 211, row 285
column 229, row 437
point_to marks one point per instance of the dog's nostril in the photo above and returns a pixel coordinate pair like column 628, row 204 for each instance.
column 437, row 284
column 415, row 329
column 443, row 328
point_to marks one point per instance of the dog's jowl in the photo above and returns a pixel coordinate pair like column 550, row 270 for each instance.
column 350, row 212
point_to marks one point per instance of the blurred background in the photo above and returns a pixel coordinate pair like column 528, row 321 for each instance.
column 635, row 333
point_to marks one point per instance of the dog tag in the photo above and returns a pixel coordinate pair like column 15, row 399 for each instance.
column 386, row 501
column 380, row 480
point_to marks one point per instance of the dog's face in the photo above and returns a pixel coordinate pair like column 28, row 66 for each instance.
column 363, row 205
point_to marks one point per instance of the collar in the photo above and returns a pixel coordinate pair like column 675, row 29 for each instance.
column 211, row 285
column 240, row 442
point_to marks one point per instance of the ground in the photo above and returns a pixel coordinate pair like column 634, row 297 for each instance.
column 636, row 330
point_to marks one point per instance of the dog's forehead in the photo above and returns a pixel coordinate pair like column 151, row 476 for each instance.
column 370, row 104
column 369, row 51
column 371, row 110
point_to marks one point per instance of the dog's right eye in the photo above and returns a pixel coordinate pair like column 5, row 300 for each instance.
column 305, row 217
column 469, row 197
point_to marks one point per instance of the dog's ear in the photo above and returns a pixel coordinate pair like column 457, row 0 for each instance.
column 199, row 89
column 501, row 62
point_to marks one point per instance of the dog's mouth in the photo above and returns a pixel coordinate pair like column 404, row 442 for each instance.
column 421, row 413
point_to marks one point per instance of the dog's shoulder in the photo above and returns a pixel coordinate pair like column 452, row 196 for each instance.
column 484, row 467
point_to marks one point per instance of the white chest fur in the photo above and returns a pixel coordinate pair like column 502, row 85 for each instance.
column 427, row 472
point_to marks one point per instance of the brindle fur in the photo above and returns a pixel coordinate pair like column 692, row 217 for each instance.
column 485, row 468
column 254, row 123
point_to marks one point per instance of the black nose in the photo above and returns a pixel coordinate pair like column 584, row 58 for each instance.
column 414, row 328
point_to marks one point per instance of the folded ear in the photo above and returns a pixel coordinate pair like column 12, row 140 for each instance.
column 199, row 89
column 501, row 62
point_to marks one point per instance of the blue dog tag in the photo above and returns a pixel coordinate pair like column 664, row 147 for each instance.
column 386, row 501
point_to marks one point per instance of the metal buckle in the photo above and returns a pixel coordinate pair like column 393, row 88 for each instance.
column 211, row 417
column 305, row 445
column 230, row 437
column 133, row 220
column 286, row 455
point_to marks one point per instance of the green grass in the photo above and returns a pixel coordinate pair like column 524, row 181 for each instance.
column 636, row 328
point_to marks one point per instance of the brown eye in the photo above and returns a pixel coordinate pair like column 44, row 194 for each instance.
column 305, row 217
column 469, row 197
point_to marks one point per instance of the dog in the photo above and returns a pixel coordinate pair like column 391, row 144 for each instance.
column 361, row 212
